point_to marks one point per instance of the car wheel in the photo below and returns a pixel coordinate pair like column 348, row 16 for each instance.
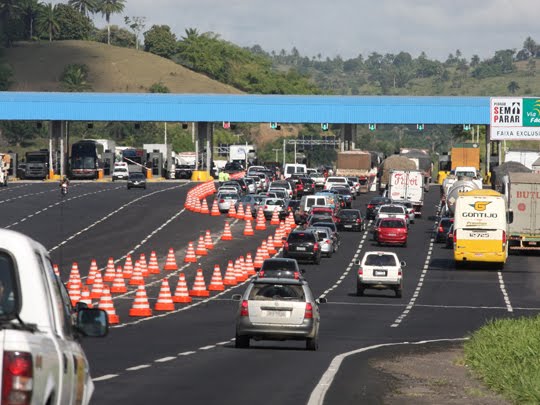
column 360, row 290
column 241, row 342
column 312, row 343
column 329, row 254
column 399, row 292
column 317, row 260
column 129, row 188
column 405, row 244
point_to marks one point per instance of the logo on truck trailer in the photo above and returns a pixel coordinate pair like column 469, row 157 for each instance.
column 401, row 179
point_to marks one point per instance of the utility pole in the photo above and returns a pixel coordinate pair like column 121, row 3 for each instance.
column 276, row 150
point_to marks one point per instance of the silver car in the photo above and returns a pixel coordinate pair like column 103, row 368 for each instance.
column 326, row 242
column 271, row 204
column 278, row 309
column 226, row 200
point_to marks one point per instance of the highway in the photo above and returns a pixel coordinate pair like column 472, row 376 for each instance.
column 188, row 355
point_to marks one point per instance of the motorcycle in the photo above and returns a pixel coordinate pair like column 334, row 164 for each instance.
column 64, row 189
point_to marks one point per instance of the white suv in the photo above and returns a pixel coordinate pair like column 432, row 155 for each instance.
column 393, row 211
column 335, row 181
column 120, row 172
column 380, row 270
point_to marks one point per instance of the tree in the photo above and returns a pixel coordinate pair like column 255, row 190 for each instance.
column 72, row 24
column 530, row 45
column 30, row 11
column 85, row 7
column 108, row 8
column 5, row 76
column 75, row 78
column 119, row 36
column 159, row 87
column 47, row 21
column 136, row 24
column 191, row 34
column 513, row 86
column 159, row 40
column 10, row 10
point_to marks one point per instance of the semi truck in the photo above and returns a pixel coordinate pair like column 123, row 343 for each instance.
column 407, row 185
column 242, row 154
column 422, row 159
column 525, row 157
column 393, row 162
column 522, row 191
column 463, row 154
column 37, row 164
column 357, row 163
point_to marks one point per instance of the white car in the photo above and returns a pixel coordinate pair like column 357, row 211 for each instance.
column 226, row 200
column 393, row 211
column 409, row 207
column 333, row 181
column 120, row 173
column 318, row 178
column 380, row 270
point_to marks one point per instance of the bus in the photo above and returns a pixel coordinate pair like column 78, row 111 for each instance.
column 481, row 223
column 85, row 159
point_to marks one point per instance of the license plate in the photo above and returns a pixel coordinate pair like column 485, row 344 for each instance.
column 391, row 234
column 379, row 273
column 276, row 314
column 532, row 243
column 348, row 226
column 301, row 248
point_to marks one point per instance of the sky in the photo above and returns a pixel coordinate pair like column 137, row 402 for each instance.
column 350, row 27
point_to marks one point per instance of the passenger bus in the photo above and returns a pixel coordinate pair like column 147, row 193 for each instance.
column 481, row 227
column 85, row 159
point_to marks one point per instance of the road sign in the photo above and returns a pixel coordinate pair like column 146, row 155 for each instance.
column 514, row 118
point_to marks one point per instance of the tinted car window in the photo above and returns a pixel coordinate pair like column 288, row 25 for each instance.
column 392, row 210
column 279, row 265
column 301, row 237
column 349, row 214
column 136, row 176
column 289, row 292
column 329, row 225
column 380, row 260
column 392, row 224
column 7, row 285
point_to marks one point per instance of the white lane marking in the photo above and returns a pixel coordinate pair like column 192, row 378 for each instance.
column 206, row 347
column 26, row 195
column 164, row 359
column 105, row 377
column 504, row 293
column 135, row 368
column 319, row 392
column 186, row 353
column 223, row 343
column 111, row 214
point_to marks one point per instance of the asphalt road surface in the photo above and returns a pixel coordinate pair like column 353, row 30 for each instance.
column 188, row 355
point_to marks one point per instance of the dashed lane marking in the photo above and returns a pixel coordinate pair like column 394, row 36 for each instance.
column 137, row 367
column 105, row 377
column 165, row 359
column 504, row 293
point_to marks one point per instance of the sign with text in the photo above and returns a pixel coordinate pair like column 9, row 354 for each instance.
column 515, row 118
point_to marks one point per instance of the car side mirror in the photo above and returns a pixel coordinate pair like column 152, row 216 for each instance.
column 357, row 262
column 236, row 297
column 92, row 322
column 321, row 300
column 302, row 271
column 510, row 216
column 403, row 264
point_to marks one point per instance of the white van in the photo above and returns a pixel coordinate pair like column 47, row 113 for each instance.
column 294, row 168
column 308, row 201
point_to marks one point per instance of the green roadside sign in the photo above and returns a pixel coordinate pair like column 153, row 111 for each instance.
column 531, row 112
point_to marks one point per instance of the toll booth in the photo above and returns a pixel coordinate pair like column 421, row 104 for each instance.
column 155, row 160
column 108, row 162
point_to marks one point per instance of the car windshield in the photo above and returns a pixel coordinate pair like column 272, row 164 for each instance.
column 120, row 170
column 263, row 292
column 272, row 201
column 392, row 224
column 380, row 260
column 328, row 225
column 228, row 196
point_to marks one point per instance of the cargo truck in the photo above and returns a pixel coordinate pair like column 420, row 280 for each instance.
column 525, row 157
column 393, row 162
column 422, row 159
column 407, row 185
column 356, row 163
column 464, row 154
column 37, row 164
column 522, row 191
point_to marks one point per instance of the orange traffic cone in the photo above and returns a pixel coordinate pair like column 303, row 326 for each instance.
column 232, row 211
column 199, row 286
column 164, row 301
column 92, row 272
column 292, row 224
column 128, row 267
column 74, row 276
column 278, row 242
column 201, row 249
column 170, row 263
column 240, row 213
column 118, row 285
column 137, row 277
column 248, row 216
column 248, row 264
column 258, row 262
column 216, row 283
column 264, row 250
column 248, row 229
column 215, row 209
column 239, row 271
column 109, row 271
column 190, row 254
column 85, row 297
column 153, row 266
column 275, row 217
column 143, row 265
column 204, row 207
column 208, row 242
column 74, row 292
column 97, row 288
column 140, row 306
column 227, row 234
column 181, row 294
column 56, row 270
column 230, row 275
column 270, row 245
column 106, row 303
column 197, row 205
column 261, row 222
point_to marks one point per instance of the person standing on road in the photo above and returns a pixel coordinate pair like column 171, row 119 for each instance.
column 221, row 177
column 227, row 177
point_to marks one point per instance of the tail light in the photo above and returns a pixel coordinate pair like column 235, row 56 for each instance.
column 244, row 308
column 17, row 378
column 296, row 275
column 265, row 207
column 455, row 236
column 337, row 220
column 399, row 273
column 504, row 238
column 316, row 246
column 359, row 221
column 260, row 274
column 327, row 241
column 370, row 206
column 360, row 271
column 221, row 201
column 441, row 230
column 286, row 246
column 309, row 311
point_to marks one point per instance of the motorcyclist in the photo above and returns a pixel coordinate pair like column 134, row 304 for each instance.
column 64, row 184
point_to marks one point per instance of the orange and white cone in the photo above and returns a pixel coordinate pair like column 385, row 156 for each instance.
column 199, row 286
column 201, row 248
column 137, row 277
column 85, row 297
column 143, row 265
column 216, row 283
column 239, row 271
column 170, row 263
column 275, row 217
column 74, row 275
column 270, row 245
column 248, row 216
column 153, row 266
column 230, row 274
column 248, row 264
column 97, row 287
column 164, row 301
column 92, row 272
column 264, row 250
column 128, row 267
column 119, row 285
column 227, row 234
column 106, row 303
column 190, row 254
column 261, row 223
column 74, row 292
column 248, row 229
column 56, row 270
column 232, row 211
column 208, row 242
column 140, row 306
column 215, row 209
column 181, row 294
column 278, row 238
column 197, row 205
column 240, row 214
column 204, row 207
column 258, row 262
column 110, row 274
column 292, row 223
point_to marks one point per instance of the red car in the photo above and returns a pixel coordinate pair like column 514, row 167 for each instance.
column 392, row 231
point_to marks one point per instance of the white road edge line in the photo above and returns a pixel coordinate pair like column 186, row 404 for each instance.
column 319, row 392
column 504, row 293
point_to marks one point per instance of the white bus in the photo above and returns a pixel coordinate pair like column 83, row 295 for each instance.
column 481, row 227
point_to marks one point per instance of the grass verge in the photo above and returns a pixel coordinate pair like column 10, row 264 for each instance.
column 505, row 354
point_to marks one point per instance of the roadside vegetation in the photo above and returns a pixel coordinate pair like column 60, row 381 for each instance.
column 504, row 354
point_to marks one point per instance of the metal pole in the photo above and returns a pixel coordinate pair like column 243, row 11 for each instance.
column 62, row 157
column 295, row 152
column 284, row 153
column 165, row 136
column 50, row 150
column 196, row 154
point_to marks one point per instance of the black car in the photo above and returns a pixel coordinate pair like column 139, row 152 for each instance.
column 371, row 208
column 136, row 180
column 350, row 220
column 183, row 172
column 442, row 229
column 302, row 245
column 279, row 267
column 233, row 167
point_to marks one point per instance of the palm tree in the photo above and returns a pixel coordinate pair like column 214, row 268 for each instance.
column 107, row 8
column 74, row 78
column 47, row 21
column 30, row 12
column 191, row 34
column 85, row 7
column 9, row 11
column 513, row 86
